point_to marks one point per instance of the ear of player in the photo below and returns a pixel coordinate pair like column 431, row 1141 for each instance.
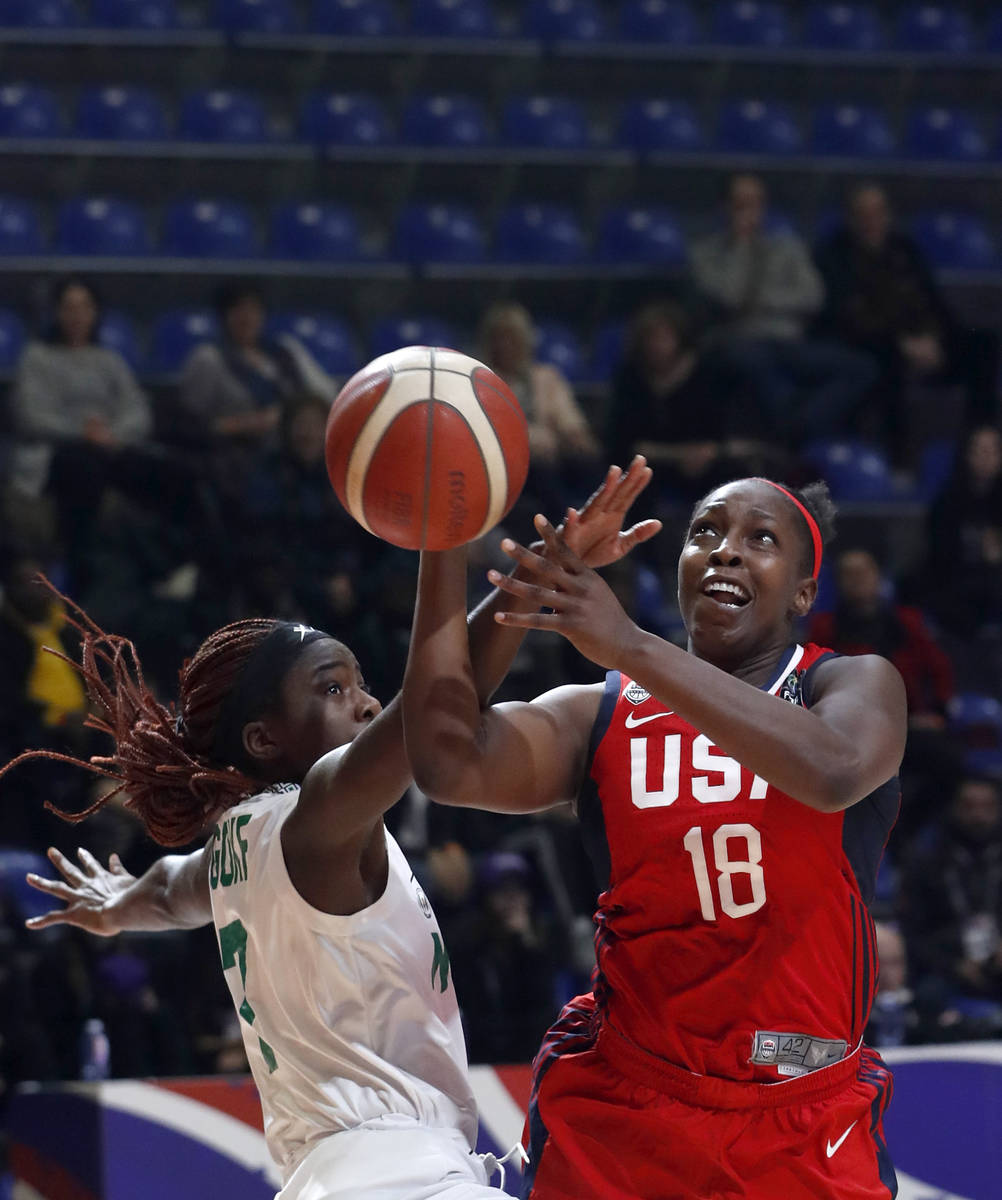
column 427, row 448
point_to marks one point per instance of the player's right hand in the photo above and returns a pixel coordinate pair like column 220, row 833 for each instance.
column 595, row 531
column 89, row 891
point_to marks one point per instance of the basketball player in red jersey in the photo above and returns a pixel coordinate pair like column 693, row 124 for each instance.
column 736, row 800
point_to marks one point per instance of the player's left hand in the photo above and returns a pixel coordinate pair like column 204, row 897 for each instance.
column 89, row 892
column 583, row 607
column 595, row 531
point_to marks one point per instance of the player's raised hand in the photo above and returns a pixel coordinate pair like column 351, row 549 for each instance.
column 89, row 892
column 583, row 607
column 595, row 531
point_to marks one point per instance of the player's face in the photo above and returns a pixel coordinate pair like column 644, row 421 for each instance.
column 324, row 703
column 741, row 574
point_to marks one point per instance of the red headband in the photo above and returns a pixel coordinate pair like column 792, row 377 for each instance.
column 812, row 525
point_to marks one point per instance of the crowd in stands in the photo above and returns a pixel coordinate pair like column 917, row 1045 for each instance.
column 165, row 521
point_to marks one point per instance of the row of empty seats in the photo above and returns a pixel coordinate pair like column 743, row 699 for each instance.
column 324, row 232
column 852, row 27
column 219, row 115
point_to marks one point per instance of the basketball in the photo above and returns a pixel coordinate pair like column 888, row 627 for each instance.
column 427, row 448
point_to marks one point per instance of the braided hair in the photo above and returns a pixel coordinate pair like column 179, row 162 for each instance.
column 162, row 760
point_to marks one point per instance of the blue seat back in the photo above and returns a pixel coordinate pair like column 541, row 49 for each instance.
column 256, row 16
column 852, row 131
column 328, row 339
column 956, row 240
column 837, row 26
column 209, row 228
column 639, row 234
column 355, row 18
column 549, row 122
column 564, row 20
column 117, row 332
column 453, row 18
column 121, row 113
column 223, row 115
column 101, row 225
column 948, row 133
column 438, row 233
column 321, row 232
column 751, row 23
column 345, row 118
column 27, row 111
column 176, row 333
column 660, row 124
column 539, row 233
column 664, row 22
column 444, row 120
column 11, row 338
column 607, row 350
column 936, row 29
column 391, row 333
column 758, row 127
column 854, row 471
column 136, row 14
column 558, row 345
column 20, row 228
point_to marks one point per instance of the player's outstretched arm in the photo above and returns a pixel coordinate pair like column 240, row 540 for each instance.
column 172, row 894
column 506, row 758
column 829, row 757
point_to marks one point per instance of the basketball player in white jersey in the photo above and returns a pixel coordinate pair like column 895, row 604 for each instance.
column 333, row 956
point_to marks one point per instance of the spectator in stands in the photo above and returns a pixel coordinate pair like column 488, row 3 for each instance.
column 235, row 393
column 882, row 298
column 868, row 620
column 953, row 900
column 80, row 418
column 504, row 962
column 766, row 289
column 964, row 565
column 562, row 447
column 692, row 415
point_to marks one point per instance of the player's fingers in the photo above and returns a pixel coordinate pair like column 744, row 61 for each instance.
column 531, row 620
column 90, row 864
column 643, row 531
column 63, row 865
column 634, row 481
column 115, row 866
column 595, row 500
column 557, row 550
column 54, row 887
column 525, row 591
column 56, row 917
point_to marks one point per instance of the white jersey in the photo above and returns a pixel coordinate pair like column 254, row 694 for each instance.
column 348, row 1021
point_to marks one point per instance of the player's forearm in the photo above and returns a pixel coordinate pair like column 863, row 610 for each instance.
column 442, row 708
column 172, row 894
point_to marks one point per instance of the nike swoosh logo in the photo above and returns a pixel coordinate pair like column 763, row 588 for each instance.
column 632, row 720
column 831, row 1148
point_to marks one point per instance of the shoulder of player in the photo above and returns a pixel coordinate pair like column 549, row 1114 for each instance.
column 869, row 674
column 575, row 703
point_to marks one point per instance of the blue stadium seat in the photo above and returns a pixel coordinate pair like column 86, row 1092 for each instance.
column 176, row 333
column 558, row 345
column 852, row 27
column 18, row 894
column 355, row 18
column 20, row 230
column 122, row 113
column 101, row 225
column 321, row 232
column 453, row 18
column 547, row 122
column 664, row 22
column 444, row 120
column 27, row 111
column 438, row 233
column 564, row 20
column 749, row 23
column 118, row 332
column 345, row 119
column 758, row 127
column 209, row 229
column 854, row 471
column 256, row 16
column 852, row 131
column 976, row 722
column 327, row 338
column 935, row 466
column 222, row 115
column 957, row 240
column 637, row 234
column 42, row 14
column 946, row 133
column 993, row 32
column 607, row 350
column 538, row 233
column 391, row 333
column 135, row 14
column 11, row 338
column 935, row 28
column 658, row 124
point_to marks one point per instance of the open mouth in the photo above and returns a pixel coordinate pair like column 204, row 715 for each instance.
column 730, row 595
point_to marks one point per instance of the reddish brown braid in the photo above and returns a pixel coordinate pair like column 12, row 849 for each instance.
column 162, row 757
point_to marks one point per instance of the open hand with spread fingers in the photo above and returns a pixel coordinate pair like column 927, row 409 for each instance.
column 89, row 891
column 583, row 607
column 595, row 531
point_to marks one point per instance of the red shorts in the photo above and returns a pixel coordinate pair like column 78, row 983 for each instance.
column 607, row 1121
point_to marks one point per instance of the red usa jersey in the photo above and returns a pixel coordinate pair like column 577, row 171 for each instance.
column 734, row 936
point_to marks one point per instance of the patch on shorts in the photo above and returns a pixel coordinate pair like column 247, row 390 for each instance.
column 795, row 1053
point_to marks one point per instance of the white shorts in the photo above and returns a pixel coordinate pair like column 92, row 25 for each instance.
column 390, row 1164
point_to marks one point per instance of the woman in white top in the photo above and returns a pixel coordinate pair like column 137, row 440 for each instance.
column 333, row 956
